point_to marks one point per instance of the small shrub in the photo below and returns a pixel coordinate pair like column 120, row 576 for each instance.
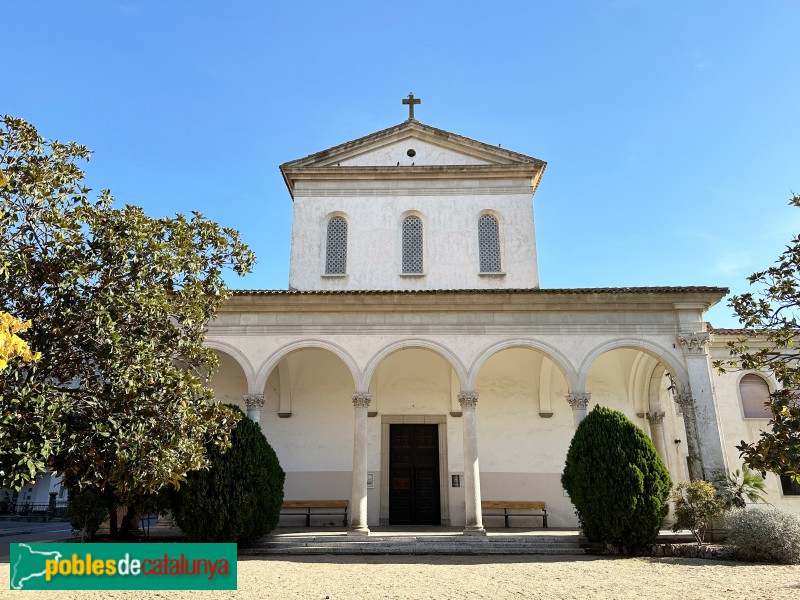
column 696, row 504
column 737, row 488
column 87, row 510
column 767, row 534
column 239, row 497
column 616, row 481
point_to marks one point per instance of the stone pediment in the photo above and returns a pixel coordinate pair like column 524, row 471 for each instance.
column 416, row 148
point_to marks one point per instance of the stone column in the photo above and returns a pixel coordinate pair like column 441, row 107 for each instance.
column 656, row 419
column 358, row 499
column 686, row 402
column 708, row 434
column 254, row 403
column 472, row 474
column 579, row 404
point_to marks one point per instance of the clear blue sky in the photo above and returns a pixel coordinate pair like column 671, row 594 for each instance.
column 671, row 129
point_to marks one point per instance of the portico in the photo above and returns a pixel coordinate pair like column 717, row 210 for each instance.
column 505, row 376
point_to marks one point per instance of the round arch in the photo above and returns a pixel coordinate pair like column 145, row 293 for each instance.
column 439, row 349
column 660, row 353
column 552, row 353
column 267, row 367
column 770, row 380
column 238, row 356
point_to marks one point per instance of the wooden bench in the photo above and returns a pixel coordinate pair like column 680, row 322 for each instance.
column 313, row 508
column 515, row 508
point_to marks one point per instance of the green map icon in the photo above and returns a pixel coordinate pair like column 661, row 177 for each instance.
column 28, row 564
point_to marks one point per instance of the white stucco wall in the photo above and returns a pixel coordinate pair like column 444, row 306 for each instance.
column 735, row 427
column 450, row 225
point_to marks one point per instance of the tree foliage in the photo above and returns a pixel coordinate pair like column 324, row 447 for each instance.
column 11, row 345
column 120, row 304
column 239, row 497
column 616, row 481
column 770, row 318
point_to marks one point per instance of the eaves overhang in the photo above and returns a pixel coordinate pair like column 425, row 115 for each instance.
column 631, row 298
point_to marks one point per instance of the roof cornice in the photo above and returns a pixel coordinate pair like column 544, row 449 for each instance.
column 646, row 298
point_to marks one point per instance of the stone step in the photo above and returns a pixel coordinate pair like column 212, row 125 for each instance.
column 420, row 549
column 408, row 541
column 424, row 544
column 460, row 539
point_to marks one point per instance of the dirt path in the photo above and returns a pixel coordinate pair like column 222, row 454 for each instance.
column 482, row 577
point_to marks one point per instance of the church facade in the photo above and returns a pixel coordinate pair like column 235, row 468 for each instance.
column 415, row 366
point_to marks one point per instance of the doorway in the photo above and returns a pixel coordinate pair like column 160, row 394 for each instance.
column 414, row 486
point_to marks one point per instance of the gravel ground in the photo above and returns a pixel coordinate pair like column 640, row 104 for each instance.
column 477, row 577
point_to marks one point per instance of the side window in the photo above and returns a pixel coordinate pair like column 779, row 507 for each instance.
column 789, row 486
column 336, row 247
column 754, row 393
column 489, row 244
column 412, row 245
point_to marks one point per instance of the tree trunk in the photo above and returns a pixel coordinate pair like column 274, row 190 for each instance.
column 111, row 502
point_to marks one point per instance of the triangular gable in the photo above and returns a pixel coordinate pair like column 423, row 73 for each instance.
column 431, row 146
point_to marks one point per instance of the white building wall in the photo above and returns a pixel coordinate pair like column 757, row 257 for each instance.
column 735, row 427
column 450, row 238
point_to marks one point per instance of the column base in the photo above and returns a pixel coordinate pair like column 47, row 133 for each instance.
column 360, row 530
column 474, row 530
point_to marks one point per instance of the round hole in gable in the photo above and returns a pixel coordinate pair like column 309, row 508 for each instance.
column 411, row 152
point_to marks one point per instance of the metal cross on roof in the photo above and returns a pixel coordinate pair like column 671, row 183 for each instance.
column 411, row 101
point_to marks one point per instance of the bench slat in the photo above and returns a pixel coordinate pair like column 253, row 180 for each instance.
column 320, row 508
column 515, row 504
column 315, row 504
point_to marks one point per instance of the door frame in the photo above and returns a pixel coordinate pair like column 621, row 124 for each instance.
column 444, row 491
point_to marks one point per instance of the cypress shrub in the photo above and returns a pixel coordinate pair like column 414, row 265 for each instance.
column 616, row 481
column 238, row 499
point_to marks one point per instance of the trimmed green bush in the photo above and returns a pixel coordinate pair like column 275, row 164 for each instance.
column 238, row 499
column 616, row 481
column 87, row 510
column 697, row 503
column 767, row 534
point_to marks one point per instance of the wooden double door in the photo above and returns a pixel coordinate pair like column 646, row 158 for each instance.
column 414, row 475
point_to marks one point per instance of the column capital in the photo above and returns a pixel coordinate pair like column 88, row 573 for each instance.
column 579, row 401
column 694, row 343
column 362, row 399
column 468, row 399
column 684, row 398
column 254, row 400
column 655, row 418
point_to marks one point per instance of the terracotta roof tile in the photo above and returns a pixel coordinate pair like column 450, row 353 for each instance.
column 532, row 291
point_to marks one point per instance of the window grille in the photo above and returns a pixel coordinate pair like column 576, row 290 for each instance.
column 336, row 249
column 412, row 245
column 755, row 393
column 489, row 244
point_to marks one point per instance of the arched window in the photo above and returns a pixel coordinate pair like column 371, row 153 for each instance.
column 754, row 392
column 489, row 244
column 336, row 248
column 412, row 245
